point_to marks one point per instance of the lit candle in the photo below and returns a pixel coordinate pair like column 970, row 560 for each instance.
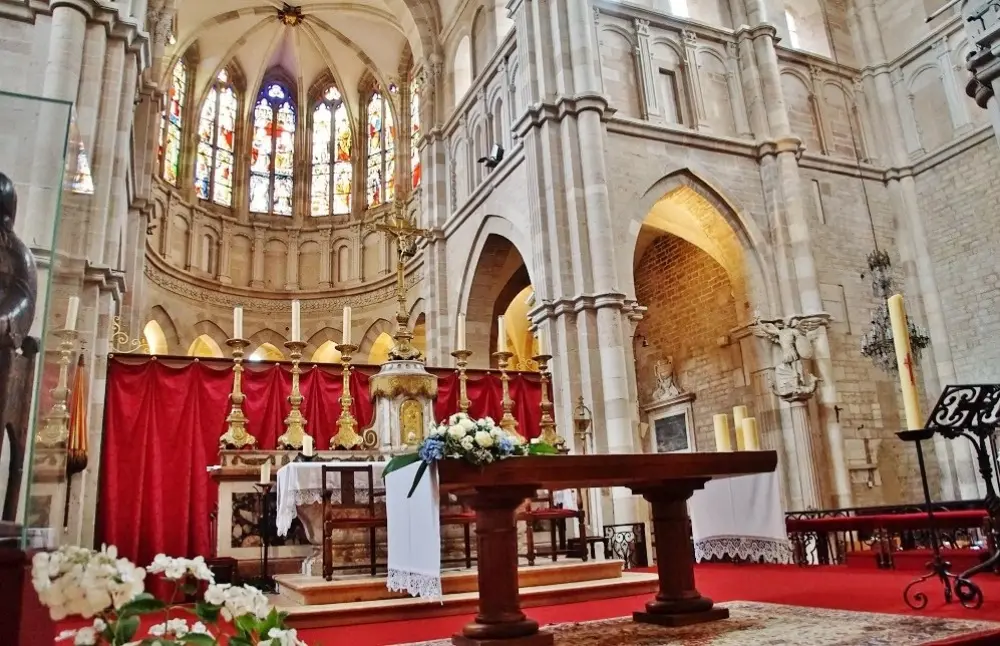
column 296, row 322
column 739, row 414
column 751, row 437
column 307, row 445
column 71, row 312
column 501, row 335
column 543, row 342
column 347, row 326
column 722, row 440
column 265, row 473
column 460, row 342
column 238, row 322
column 904, row 360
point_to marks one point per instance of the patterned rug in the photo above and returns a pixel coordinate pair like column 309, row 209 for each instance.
column 757, row 624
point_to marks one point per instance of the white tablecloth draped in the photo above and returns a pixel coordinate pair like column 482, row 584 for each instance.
column 740, row 518
column 414, row 531
column 301, row 483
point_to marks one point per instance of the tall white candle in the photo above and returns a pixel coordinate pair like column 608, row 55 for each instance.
column 722, row 440
column 307, row 445
column 296, row 322
column 750, row 434
column 347, row 325
column 265, row 473
column 501, row 335
column 460, row 341
column 238, row 322
column 543, row 341
column 904, row 362
column 739, row 414
column 72, row 309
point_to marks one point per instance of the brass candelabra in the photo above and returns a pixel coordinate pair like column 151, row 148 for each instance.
column 462, row 360
column 507, row 422
column 295, row 423
column 549, row 435
column 55, row 426
column 347, row 426
column 236, row 436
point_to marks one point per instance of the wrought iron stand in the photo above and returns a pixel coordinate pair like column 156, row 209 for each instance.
column 265, row 582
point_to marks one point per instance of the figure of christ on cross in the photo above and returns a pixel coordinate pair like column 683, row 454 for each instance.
column 406, row 236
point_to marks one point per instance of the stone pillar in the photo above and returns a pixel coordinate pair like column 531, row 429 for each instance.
column 803, row 451
column 292, row 262
column 225, row 254
column 118, row 212
column 956, row 104
column 326, row 259
column 257, row 262
column 735, row 91
column 693, row 78
column 644, row 63
column 102, row 160
column 91, row 81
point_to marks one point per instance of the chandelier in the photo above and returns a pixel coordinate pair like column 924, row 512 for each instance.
column 877, row 343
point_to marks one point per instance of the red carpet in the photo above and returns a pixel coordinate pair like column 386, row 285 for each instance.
column 820, row 587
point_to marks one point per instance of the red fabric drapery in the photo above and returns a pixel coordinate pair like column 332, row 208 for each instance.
column 163, row 419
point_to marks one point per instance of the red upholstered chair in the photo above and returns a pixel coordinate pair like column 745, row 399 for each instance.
column 542, row 507
column 355, row 509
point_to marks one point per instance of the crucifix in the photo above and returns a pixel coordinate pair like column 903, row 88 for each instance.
column 406, row 236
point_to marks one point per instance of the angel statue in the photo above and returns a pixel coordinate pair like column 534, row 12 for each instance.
column 666, row 387
column 793, row 381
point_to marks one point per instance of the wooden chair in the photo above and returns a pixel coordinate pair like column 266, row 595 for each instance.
column 361, row 506
column 542, row 507
column 466, row 518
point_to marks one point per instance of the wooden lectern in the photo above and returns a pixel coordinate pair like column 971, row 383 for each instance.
column 666, row 481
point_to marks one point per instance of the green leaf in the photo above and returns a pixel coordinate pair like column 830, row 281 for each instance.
column 198, row 639
column 238, row 640
column 189, row 588
column 143, row 604
column 273, row 620
column 246, row 624
column 399, row 462
column 207, row 612
column 416, row 479
column 540, row 448
column 125, row 629
column 159, row 641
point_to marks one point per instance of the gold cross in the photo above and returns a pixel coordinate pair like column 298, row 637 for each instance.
column 406, row 235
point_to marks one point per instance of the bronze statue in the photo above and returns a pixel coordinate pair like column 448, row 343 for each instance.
column 18, row 293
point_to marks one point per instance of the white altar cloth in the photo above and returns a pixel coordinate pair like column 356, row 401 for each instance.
column 414, row 532
column 301, row 483
column 740, row 518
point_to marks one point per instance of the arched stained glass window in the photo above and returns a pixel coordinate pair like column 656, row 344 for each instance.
column 170, row 130
column 331, row 156
column 415, row 89
column 213, row 172
column 272, row 155
column 381, row 175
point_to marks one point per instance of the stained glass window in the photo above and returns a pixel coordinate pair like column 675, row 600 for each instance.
column 272, row 154
column 415, row 88
column 381, row 171
column 170, row 130
column 331, row 156
column 213, row 171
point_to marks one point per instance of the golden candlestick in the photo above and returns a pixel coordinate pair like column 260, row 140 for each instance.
column 55, row 427
column 347, row 427
column 462, row 360
column 236, row 436
column 507, row 422
column 295, row 423
column 548, row 423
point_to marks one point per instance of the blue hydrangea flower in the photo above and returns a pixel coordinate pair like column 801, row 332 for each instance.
column 505, row 445
column 431, row 450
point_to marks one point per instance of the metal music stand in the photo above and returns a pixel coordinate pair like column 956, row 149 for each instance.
column 265, row 582
column 972, row 412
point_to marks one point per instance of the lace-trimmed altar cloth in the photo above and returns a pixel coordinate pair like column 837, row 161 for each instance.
column 414, row 533
column 301, row 483
column 740, row 518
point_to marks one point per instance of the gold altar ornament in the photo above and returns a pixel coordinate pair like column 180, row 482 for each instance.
column 295, row 423
column 55, row 426
column 548, row 423
column 411, row 421
column 409, row 385
column 406, row 236
column 347, row 427
column 507, row 422
column 121, row 343
column 581, row 423
column 236, row 436
column 462, row 360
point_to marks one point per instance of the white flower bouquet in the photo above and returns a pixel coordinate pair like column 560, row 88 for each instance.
column 75, row 581
column 477, row 441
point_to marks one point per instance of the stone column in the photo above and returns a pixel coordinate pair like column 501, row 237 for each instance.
column 693, row 78
column 325, row 259
column 956, row 104
column 292, row 262
column 257, row 263
column 119, row 192
column 735, row 91
column 102, row 160
column 91, row 81
column 644, row 63
column 803, row 450
column 225, row 254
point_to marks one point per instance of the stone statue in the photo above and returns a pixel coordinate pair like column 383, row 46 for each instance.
column 666, row 387
column 793, row 380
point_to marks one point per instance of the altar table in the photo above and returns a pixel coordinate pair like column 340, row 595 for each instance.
column 740, row 519
column 666, row 481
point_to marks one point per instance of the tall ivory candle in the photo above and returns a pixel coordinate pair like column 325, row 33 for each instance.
column 307, row 445
column 904, row 361
column 460, row 341
column 296, row 322
column 501, row 335
column 722, row 441
column 347, row 325
column 265, row 473
column 750, row 434
column 72, row 309
column 238, row 322
column 739, row 414
column 543, row 341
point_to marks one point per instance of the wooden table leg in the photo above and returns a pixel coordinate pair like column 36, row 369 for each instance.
column 500, row 620
column 678, row 603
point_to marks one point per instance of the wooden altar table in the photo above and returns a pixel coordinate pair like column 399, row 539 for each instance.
column 666, row 481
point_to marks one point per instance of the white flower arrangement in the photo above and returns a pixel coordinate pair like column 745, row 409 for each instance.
column 74, row 581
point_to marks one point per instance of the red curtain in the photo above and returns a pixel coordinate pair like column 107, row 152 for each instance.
column 163, row 419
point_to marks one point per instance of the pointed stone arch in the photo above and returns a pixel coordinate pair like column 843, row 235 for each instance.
column 211, row 330
column 267, row 335
column 166, row 323
column 374, row 331
column 324, row 335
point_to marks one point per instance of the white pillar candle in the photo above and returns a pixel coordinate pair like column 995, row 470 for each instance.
column 296, row 322
column 72, row 309
column 265, row 473
column 751, row 436
column 904, row 361
column 501, row 335
column 307, row 445
column 347, row 326
column 238, row 322
column 722, row 441
column 543, row 341
column 460, row 341
column 739, row 414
